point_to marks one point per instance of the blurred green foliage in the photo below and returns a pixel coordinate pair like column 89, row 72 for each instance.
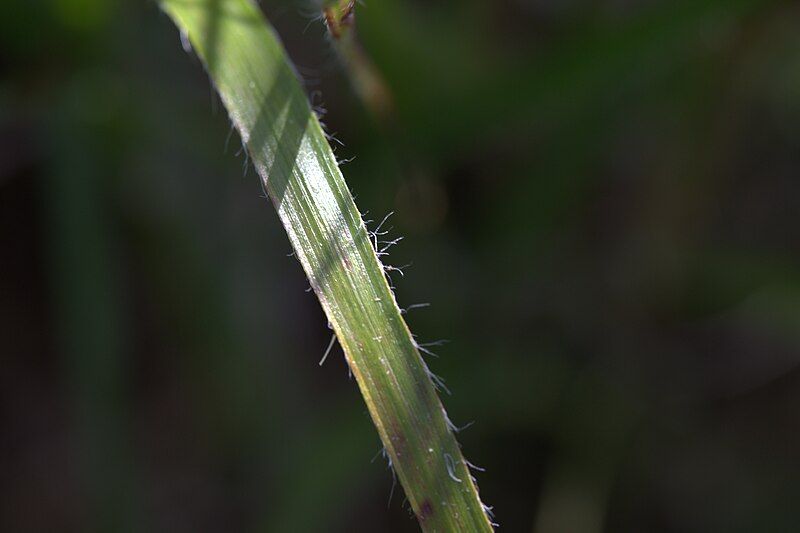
column 599, row 199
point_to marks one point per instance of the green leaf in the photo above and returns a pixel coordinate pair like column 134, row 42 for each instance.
column 268, row 107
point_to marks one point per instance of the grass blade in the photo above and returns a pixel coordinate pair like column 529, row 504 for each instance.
column 289, row 149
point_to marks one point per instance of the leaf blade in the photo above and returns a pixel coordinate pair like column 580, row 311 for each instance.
column 288, row 147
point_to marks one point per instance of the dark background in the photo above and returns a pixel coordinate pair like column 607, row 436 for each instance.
column 600, row 199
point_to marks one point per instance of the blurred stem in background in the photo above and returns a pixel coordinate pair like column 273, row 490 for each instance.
column 340, row 19
column 85, row 282
column 401, row 155
column 594, row 427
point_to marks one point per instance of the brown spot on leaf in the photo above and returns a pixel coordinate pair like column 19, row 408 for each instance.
column 425, row 510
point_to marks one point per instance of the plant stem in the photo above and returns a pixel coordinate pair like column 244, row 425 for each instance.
column 340, row 19
column 289, row 149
